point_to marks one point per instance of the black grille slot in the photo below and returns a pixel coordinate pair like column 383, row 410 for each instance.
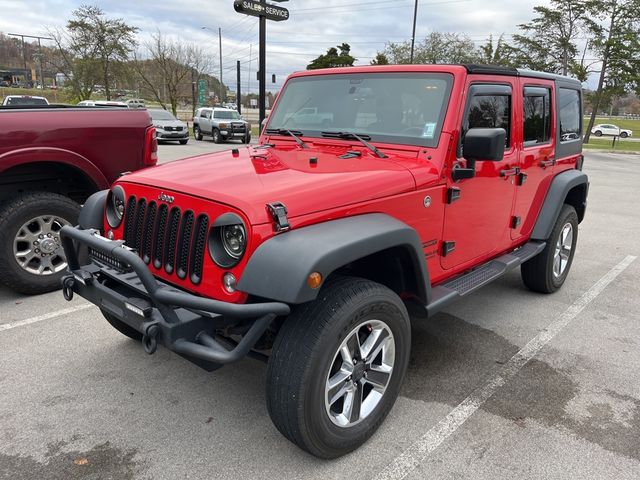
column 148, row 232
column 158, row 234
column 184, row 243
column 198, row 248
column 171, row 238
column 129, row 232
column 137, row 229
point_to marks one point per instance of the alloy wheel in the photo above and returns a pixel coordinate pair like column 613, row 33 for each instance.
column 37, row 247
column 563, row 250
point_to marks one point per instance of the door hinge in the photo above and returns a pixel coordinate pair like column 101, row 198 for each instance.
column 447, row 248
column 515, row 222
column 279, row 214
column 522, row 177
column 453, row 194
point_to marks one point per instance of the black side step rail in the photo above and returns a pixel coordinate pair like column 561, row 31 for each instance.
column 467, row 283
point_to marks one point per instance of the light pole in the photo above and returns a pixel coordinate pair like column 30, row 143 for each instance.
column 220, row 49
column 413, row 36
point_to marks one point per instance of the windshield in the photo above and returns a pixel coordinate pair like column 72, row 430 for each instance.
column 226, row 115
column 161, row 115
column 26, row 101
column 404, row 108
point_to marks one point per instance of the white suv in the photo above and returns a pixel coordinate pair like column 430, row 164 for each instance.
column 221, row 124
column 608, row 129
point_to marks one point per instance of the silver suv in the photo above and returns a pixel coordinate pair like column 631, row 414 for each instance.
column 221, row 124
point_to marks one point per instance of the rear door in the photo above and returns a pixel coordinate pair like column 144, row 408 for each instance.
column 537, row 157
column 477, row 223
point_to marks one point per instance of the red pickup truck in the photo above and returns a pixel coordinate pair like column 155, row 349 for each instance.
column 51, row 160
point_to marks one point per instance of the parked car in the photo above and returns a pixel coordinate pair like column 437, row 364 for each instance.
column 102, row 103
column 135, row 103
column 309, row 250
column 52, row 158
column 24, row 100
column 168, row 127
column 608, row 129
column 221, row 124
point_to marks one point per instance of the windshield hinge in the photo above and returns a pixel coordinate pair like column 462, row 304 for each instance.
column 279, row 214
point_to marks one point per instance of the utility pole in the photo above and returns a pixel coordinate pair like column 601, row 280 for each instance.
column 220, row 44
column 238, row 95
column 413, row 36
column 262, row 68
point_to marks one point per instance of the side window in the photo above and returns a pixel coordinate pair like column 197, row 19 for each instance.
column 569, row 113
column 216, row 115
column 207, row 114
column 489, row 111
column 537, row 115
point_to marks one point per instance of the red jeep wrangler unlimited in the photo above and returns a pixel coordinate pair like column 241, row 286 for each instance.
column 413, row 185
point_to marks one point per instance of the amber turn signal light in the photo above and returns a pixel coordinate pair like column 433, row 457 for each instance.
column 314, row 280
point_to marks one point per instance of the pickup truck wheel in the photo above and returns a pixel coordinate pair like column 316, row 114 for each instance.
column 217, row 138
column 546, row 272
column 122, row 327
column 337, row 365
column 31, row 256
column 197, row 134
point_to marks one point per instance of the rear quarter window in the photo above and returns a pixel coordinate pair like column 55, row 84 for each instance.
column 569, row 114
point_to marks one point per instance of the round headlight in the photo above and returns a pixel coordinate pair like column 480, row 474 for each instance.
column 115, row 206
column 234, row 240
column 227, row 240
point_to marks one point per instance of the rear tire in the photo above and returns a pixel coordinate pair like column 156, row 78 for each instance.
column 197, row 134
column 31, row 256
column 308, row 399
column 122, row 327
column 547, row 271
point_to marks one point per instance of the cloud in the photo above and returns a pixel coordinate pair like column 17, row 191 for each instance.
column 313, row 27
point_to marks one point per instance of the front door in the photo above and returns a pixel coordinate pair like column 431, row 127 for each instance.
column 477, row 224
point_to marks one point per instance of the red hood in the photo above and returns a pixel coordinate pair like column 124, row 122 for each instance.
column 254, row 177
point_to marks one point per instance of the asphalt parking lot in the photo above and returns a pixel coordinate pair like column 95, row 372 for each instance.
column 507, row 384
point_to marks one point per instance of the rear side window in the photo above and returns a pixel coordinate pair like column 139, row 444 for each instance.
column 537, row 115
column 490, row 111
column 569, row 112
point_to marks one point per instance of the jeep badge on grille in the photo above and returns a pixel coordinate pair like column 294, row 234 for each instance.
column 163, row 197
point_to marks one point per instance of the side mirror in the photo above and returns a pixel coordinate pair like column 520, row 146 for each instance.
column 480, row 144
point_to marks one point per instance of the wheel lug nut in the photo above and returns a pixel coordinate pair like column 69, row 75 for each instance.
column 40, row 236
column 49, row 235
column 37, row 250
column 36, row 242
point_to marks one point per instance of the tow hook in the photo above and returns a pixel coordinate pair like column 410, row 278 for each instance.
column 149, row 338
column 67, row 287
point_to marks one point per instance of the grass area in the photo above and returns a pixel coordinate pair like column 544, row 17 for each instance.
column 606, row 144
column 626, row 123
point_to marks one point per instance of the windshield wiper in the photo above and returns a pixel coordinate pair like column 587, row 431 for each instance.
column 361, row 138
column 291, row 133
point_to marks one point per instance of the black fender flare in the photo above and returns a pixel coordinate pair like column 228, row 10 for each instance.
column 92, row 212
column 279, row 268
column 560, row 188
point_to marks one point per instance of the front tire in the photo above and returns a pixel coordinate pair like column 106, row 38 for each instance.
column 183, row 142
column 337, row 365
column 247, row 139
column 32, row 260
column 624, row 135
column 217, row 138
column 547, row 271
column 597, row 133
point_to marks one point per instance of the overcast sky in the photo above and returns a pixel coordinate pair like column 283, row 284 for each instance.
column 313, row 26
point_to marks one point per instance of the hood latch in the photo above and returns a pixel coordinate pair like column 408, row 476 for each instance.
column 279, row 214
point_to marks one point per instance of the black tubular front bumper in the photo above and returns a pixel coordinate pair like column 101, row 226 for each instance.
column 184, row 323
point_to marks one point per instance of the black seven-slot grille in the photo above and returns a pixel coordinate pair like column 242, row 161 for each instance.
column 167, row 238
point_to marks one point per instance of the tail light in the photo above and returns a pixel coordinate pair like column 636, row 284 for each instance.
column 150, row 154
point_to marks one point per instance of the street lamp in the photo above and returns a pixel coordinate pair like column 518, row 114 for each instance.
column 220, row 45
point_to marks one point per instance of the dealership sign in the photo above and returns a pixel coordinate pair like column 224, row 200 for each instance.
column 259, row 9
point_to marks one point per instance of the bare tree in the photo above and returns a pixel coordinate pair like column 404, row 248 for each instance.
column 169, row 69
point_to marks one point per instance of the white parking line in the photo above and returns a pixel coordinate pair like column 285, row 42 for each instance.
column 400, row 467
column 46, row 316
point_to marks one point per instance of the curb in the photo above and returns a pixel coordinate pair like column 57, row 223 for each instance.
column 598, row 150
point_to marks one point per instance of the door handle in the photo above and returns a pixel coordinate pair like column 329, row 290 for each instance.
column 548, row 162
column 509, row 172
